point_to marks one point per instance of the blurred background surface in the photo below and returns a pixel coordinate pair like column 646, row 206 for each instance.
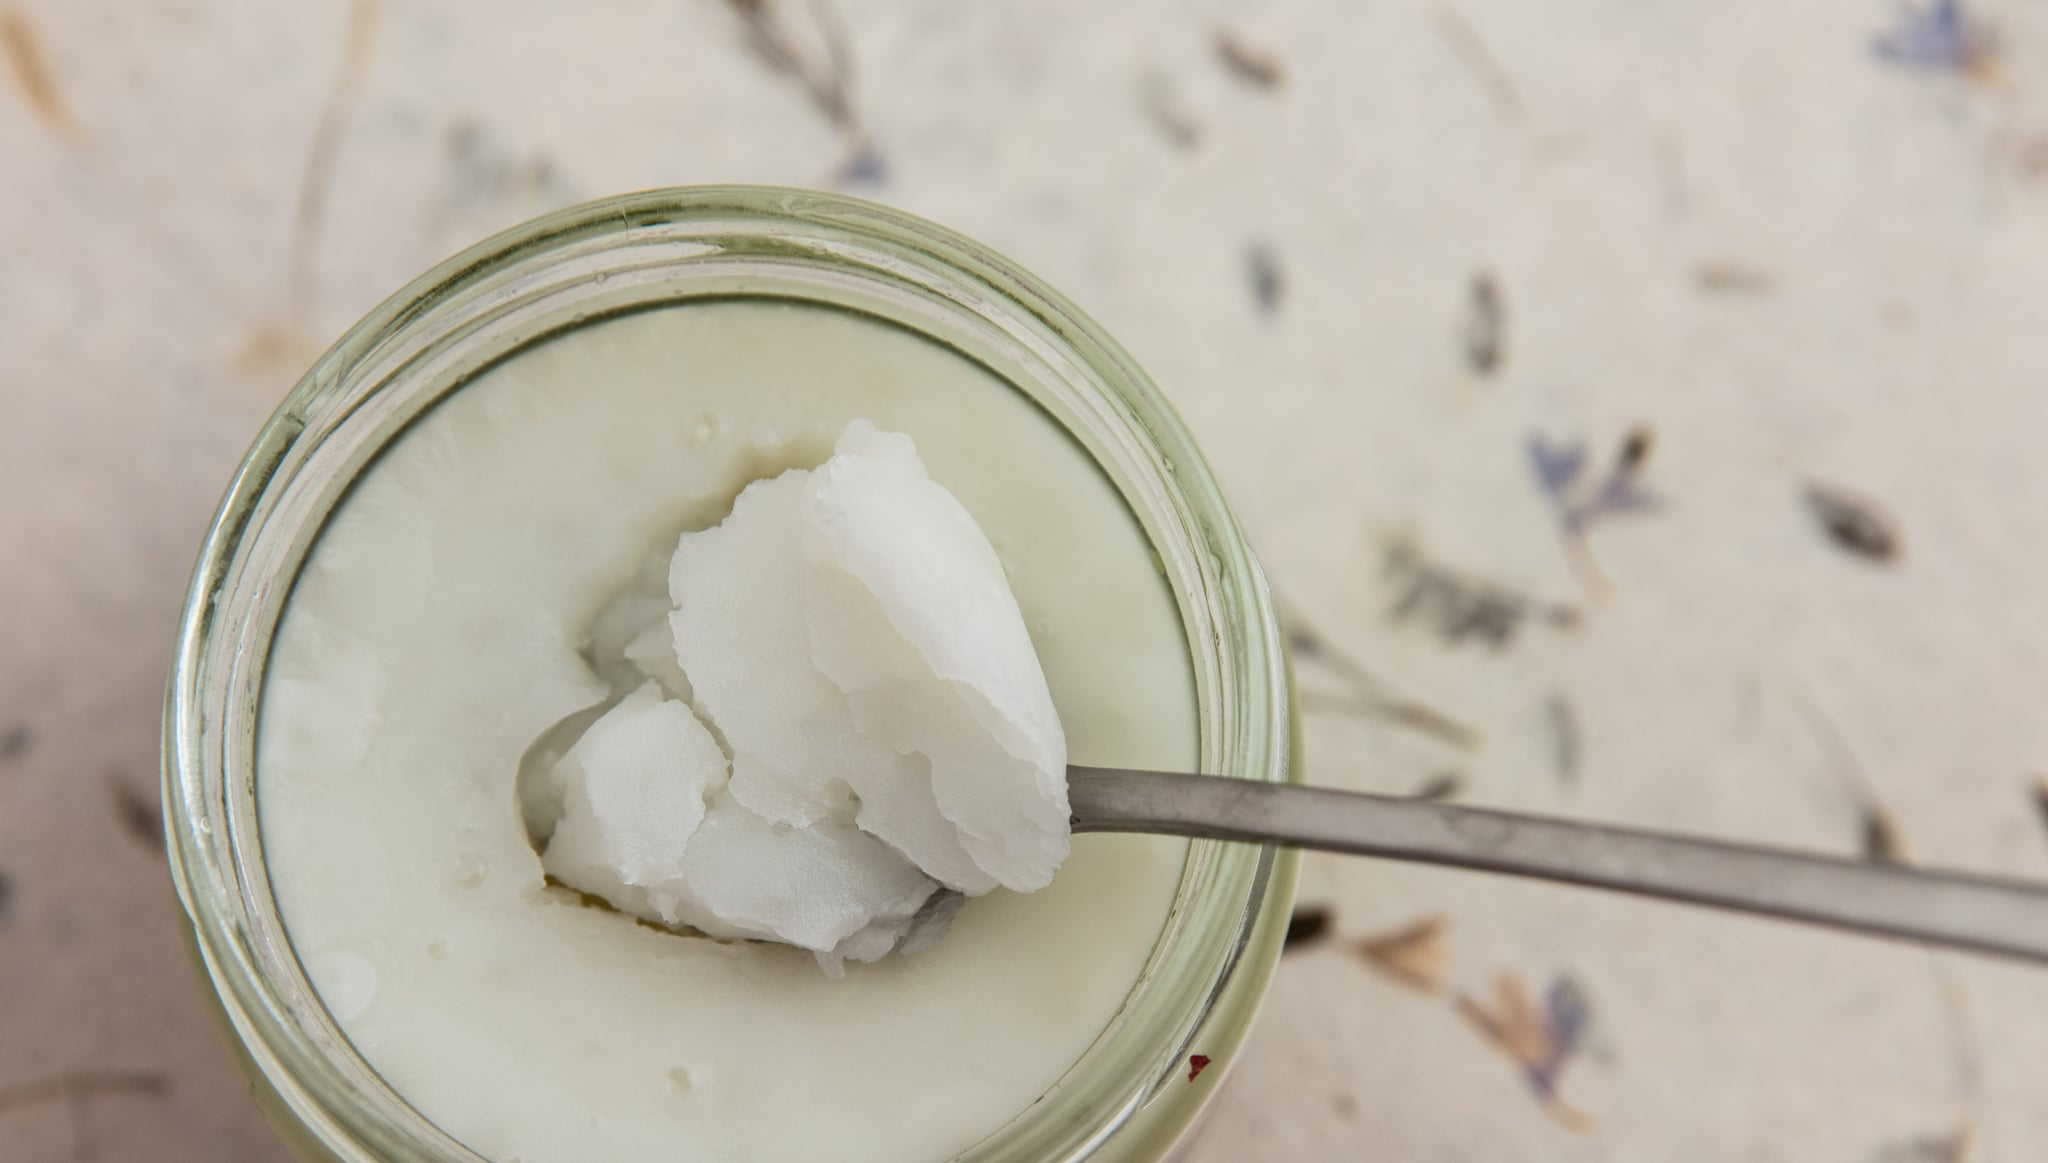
column 1639, row 407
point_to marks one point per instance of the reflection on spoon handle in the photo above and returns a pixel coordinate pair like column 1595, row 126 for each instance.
column 1985, row 914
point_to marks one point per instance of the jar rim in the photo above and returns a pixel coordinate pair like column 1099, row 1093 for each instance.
column 269, row 518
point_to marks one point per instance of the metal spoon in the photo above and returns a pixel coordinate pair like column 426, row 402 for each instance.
column 1986, row 914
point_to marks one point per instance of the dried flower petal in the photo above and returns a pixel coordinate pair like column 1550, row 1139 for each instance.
column 865, row 166
column 1368, row 696
column 1538, row 1043
column 1635, row 450
column 1268, row 281
column 23, row 50
column 1257, row 67
column 1557, row 465
column 1732, row 278
column 1162, row 105
column 1619, row 494
column 1567, row 1016
column 1479, row 61
column 1457, row 605
column 1559, row 469
column 1857, row 525
column 1940, row 37
column 826, row 77
column 1512, row 1023
column 1881, row 842
column 1486, row 326
column 1308, row 925
column 1441, row 786
column 138, row 814
column 1414, row 955
column 1953, row 1147
column 83, row 1084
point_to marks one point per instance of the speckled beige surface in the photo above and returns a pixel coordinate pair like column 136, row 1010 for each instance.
column 1789, row 256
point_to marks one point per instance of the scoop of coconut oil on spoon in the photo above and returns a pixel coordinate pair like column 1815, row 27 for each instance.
column 1984, row 914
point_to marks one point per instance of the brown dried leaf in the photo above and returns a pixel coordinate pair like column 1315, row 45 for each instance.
column 1715, row 277
column 1486, row 325
column 1950, row 1147
column 315, row 180
column 1443, row 785
column 1414, row 716
column 1570, row 1117
column 1455, row 605
column 1514, row 1025
column 272, row 348
column 1414, row 955
column 1882, row 842
column 1635, row 450
column 1308, row 926
column 138, row 1083
column 1266, row 276
column 1526, row 1037
column 824, row 74
column 1369, row 697
column 139, row 815
column 1856, row 524
column 1162, row 106
column 1478, row 60
column 1255, row 66
column 24, row 51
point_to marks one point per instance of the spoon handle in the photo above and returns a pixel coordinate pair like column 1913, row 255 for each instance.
column 1985, row 914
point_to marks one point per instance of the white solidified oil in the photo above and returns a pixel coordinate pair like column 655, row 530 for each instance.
column 850, row 635
column 450, row 613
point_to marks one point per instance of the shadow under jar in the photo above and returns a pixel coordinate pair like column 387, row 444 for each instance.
column 399, row 594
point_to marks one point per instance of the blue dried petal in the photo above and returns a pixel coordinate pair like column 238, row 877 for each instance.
column 867, row 167
column 1940, row 38
column 1567, row 1015
column 1620, row 494
column 1557, row 466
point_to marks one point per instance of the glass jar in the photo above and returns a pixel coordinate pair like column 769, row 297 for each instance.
column 1130, row 1096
